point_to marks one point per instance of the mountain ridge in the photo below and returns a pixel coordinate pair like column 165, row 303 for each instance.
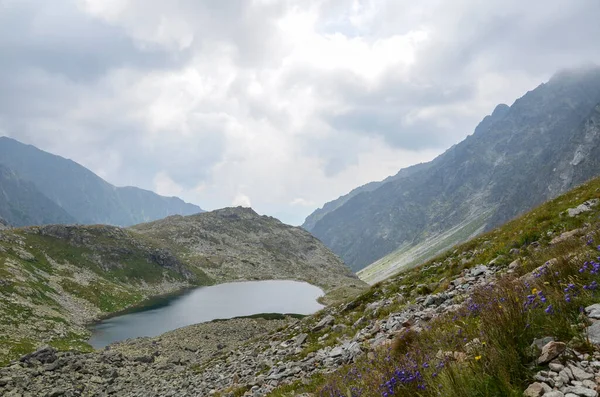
column 86, row 197
column 496, row 173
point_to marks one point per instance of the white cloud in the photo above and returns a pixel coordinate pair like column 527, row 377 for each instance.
column 164, row 185
column 291, row 102
column 241, row 200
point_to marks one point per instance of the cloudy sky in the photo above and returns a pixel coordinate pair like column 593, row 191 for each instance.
column 281, row 104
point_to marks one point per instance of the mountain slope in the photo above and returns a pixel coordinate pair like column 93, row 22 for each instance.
column 84, row 195
column 22, row 204
column 55, row 279
column 517, row 158
column 238, row 244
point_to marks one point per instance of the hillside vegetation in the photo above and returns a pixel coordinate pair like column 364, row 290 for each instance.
column 545, row 267
column 56, row 279
column 518, row 157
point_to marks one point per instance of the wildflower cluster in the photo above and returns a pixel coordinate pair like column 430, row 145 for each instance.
column 402, row 377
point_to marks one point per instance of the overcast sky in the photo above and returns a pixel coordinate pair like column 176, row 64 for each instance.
column 281, row 104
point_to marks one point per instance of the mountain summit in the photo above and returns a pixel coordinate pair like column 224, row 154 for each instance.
column 79, row 195
column 517, row 158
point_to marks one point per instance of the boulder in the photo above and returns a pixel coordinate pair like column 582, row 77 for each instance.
column 550, row 351
column 325, row 322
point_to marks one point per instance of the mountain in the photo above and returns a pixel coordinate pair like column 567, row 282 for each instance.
column 86, row 197
column 21, row 203
column 4, row 224
column 517, row 158
column 56, row 279
column 238, row 244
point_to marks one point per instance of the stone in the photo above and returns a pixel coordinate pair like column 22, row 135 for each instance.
column 45, row 355
column 554, row 393
column 565, row 236
column 550, row 351
column 534, row 390
column 593, row 311
column 581, row 391
column 556, row 367
column 580, row 374
column 336, row 352
column 580, row 209
column 478, row 270
column 325, row 322
column 514, row 264
column 300, row 339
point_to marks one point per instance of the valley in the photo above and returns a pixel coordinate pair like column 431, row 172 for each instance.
column 346, row 346
column 55, row 280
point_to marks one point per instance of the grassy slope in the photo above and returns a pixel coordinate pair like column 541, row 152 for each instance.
column 500, row 364
column 50, row 287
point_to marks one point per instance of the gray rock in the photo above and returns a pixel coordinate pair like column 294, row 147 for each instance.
column 550, row 351
column 593, row 311
column 581, row 391
column 534, row 390
column 580, row 374
column 580, row 209
column 478, row 270
column 556, row 367
column 325, row 322
column 336, row 352
column 300, row 339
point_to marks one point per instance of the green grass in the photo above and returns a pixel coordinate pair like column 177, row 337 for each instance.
column 107, row 297
column 492, row 333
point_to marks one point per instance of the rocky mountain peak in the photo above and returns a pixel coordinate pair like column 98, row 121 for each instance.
column 518, row 157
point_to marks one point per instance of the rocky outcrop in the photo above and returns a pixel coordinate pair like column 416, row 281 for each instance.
column 238, row 244
column 518, row 157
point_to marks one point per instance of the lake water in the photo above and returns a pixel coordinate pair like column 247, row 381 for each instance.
column 206, row 304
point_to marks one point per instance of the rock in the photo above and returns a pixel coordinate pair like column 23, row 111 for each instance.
column 565, row 236
column 593, row 311
column 581, row 391
column 580, row 374
column 144, row 359
column 556, row 367
column 325, row 322
column 550, row 351
column 534, row 390
column 300, row 339
column 5, row 381
column 580, row 209
column 336, row 352
column 478, row 270
column 593, row 333
column 56, row 393
column 514, row 264
column 554, row 393
column 45, row 355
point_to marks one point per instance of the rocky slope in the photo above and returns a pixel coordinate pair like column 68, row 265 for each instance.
column 335, row 351
column 517, row 158
column 55, row 279
column 21, row 203
column 80, row 193
column 237, row 244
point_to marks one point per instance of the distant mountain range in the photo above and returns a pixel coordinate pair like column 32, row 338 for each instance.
column 518, row 157
column 38, row 187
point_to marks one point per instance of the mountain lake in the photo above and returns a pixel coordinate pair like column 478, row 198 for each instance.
column 204, row 304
